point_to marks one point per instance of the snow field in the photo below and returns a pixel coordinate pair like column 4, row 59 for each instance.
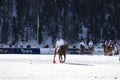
column 76, row 67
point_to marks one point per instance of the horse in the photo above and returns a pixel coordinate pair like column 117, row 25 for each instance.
column 90, row 50
column 108, row 50
column 82, row 48
column 61, row 52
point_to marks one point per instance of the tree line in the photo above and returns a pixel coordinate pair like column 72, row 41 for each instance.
column 18, row 20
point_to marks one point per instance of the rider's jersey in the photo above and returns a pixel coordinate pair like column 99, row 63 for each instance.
column 90, row 43
column 59, row 43
column 82, row 43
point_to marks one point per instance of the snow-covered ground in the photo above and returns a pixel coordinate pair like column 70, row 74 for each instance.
column 76, row 67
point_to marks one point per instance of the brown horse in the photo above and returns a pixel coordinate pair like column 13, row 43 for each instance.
column 108, row 50
column 82, row 48
column 62, row 52
column 90, row 50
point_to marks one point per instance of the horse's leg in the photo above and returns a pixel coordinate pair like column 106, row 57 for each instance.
column 54, row 56
column 60, row 58
column 64, row 57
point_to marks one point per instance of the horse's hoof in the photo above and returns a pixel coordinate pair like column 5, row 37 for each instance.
column 62, row 61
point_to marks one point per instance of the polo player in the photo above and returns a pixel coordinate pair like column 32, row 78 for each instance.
column 59, row 42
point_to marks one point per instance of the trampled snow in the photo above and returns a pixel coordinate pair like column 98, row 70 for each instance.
column 76, row 67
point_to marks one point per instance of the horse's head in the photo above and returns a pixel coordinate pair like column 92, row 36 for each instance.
column 66, row 47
